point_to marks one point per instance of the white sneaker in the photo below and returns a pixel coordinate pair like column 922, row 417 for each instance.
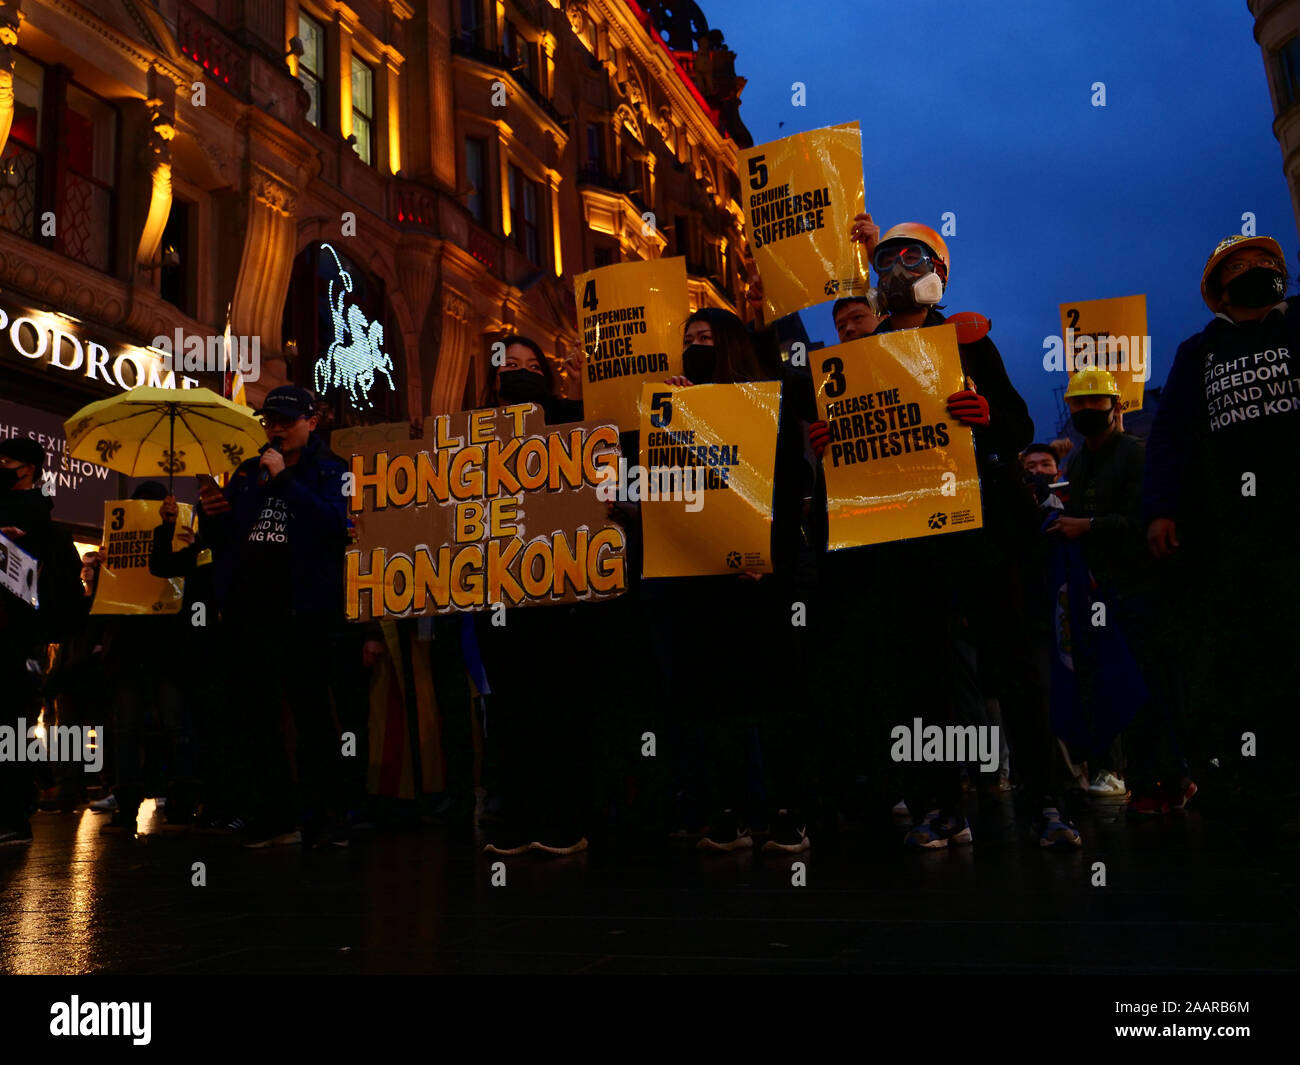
column 1107, row 785
column 106, row 805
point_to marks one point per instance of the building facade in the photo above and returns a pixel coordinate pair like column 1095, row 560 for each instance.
column 374, row 191
column 1277, row 31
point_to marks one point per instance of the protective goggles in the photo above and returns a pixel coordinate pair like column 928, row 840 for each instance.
column 912, row 256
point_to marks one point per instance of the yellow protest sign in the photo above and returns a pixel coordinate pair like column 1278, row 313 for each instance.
column 898, row 465
column 799, row 198
column 632, row 315
column 705, row 480
column 125, row 583
column 489, row 509
column 1110, row 335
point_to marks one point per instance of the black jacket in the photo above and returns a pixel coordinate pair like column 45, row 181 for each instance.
column 1230, row 407
column 59, row 587
column 1106, row 486
column 317, row 530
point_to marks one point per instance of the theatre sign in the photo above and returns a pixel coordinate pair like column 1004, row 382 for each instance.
column 46, row 340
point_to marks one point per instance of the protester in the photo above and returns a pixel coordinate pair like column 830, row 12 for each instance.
column 148, row 669
column 941, row 585
column 739, row 747
column 540, row 670
column 1104, row 513
column 1040, row 459
column 278, row 532
column 193, row 635
column 25, row 631
column 1221, row 504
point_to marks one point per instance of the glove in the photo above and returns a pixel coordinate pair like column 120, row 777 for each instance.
column 819, row 435
column 969, row 408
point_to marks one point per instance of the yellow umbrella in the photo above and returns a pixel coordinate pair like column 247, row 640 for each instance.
column 148, row 431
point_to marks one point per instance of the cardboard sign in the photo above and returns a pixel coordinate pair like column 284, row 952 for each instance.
column 489, row 507
column 1110, row 335
column 125, row 584
column 898, row 465
column 800, row 195
column 632, row 315
column 707, row 458
column 18, row 571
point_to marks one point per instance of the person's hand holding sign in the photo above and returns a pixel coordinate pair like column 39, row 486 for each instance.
column 819, row 437
column 969, row 407
column 573, row 374
column 679, row 381
column 865, row 232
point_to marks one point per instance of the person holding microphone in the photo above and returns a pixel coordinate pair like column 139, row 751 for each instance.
column 278, row 532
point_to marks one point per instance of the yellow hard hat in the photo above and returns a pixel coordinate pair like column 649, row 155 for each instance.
column 1092, row 383
column 925, row 235
column 1226, row 247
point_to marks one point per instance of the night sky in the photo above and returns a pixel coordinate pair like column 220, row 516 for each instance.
column 987, row 113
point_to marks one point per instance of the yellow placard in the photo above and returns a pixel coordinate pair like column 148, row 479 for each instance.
column 705, row 481
column 125, row 583
column 800, row 195
column 1110, row 335
column 632, row 315
column 898, row 465
column 489, row 510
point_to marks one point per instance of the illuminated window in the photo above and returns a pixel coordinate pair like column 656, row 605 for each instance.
column 525, row 197
column 363, row 109
column 311, row 64
column 84, row 196
column 20, row 164
column 520, row 53
column 476, row 177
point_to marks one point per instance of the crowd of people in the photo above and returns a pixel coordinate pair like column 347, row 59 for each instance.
column 1124, row 619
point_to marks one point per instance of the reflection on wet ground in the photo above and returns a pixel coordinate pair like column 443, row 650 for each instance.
column 1181, row 893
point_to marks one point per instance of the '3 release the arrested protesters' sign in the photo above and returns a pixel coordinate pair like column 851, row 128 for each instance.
column 800, row 196
column 707, row 457
column 1110, row 335
column 125, row 584
column 898, row 466
column 490, row 506
column 632, row 316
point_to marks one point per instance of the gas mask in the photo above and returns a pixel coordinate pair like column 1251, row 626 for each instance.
column 900, row 291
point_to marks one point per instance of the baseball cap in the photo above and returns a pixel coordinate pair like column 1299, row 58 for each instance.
column 24, row 450
column 290, row 401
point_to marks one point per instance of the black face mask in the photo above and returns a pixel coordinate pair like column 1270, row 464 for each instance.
column 1091, row 422
column 521, row 386
column 1257, row 287
column 699, row 363
column 8, row 478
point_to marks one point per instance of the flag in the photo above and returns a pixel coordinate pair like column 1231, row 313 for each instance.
column 232, row 381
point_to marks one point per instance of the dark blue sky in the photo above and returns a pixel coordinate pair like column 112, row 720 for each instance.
column 984, row 109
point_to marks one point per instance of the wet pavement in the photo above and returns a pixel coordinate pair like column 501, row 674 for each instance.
column 1182, row 894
